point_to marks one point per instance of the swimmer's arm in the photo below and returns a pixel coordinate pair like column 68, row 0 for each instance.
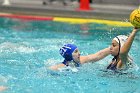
column 56, row 67
column 126, row 47
column 95, row 57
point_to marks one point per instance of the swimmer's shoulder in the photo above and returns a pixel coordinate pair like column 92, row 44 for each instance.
column 128, row 64
column 83, row 59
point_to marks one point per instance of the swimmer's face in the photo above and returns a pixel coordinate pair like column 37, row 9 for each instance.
column 76, row 55
column 114, row 49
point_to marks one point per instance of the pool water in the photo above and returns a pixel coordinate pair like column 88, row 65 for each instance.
column 28, row 48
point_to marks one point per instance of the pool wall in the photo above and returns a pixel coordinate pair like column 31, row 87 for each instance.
column 67, row 20
column 100, row 9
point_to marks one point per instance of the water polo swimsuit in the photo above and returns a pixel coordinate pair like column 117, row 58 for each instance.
column 113, row 66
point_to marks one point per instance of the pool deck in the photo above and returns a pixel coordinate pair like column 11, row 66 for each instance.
column 97, row 11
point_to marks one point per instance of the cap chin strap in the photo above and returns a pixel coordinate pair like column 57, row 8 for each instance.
column 76, row 64
column 116, row 57
column 113, row 66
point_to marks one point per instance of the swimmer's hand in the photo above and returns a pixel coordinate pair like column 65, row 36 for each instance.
column 56, row 67
column 2, row 88
column 136, row 29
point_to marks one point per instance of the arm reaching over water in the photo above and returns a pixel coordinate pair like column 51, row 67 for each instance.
column 127, row 45
column 72, row 57
column 95, row 57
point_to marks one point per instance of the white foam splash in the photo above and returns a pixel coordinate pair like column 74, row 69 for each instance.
column 68, row 68
column 14, row 47
column 3, row 79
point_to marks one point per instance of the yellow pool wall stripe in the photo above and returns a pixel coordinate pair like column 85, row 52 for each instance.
column 78, row 20
column 82, row 21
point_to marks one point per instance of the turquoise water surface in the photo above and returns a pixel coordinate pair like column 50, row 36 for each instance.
column 28, row 48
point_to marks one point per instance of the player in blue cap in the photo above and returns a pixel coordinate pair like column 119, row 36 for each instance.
column 72, row 57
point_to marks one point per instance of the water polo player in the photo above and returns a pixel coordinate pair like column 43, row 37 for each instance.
column 72, row 57
column 120, row 49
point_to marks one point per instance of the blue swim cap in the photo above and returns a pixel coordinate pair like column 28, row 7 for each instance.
column 67, row 50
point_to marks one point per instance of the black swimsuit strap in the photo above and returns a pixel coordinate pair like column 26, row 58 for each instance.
column 112, row 66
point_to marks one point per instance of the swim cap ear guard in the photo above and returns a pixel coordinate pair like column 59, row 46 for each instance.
column 67, row 50
column 120, row 39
